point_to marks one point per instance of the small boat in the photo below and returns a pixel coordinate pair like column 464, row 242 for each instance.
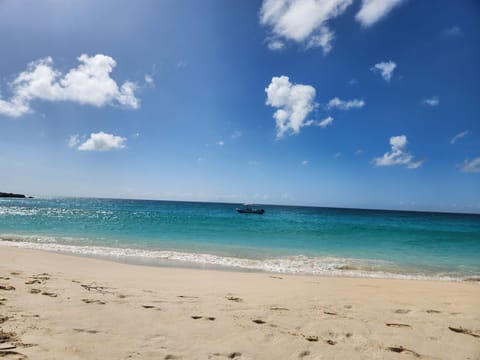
column 247, row 209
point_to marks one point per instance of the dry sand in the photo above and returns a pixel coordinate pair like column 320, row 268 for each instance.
column 65, row 307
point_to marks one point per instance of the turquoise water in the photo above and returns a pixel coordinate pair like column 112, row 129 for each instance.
column 286, row 239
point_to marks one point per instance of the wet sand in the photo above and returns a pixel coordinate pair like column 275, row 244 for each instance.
column 55, row 306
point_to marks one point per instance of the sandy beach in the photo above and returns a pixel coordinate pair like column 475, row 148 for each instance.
column 55, row 306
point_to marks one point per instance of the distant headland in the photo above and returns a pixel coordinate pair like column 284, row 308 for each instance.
column 12, row 195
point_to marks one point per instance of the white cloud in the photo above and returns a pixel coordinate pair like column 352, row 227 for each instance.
column 89, row 84
column 453, row 31
column 221, row 143
column 103, row 142
column 293, row 101
column 397, row 155
column 325, row 122
column 73, row 140
column 276, row 44
column 459, row 136
column 345, row 105
column 385, row 69
column 432, row 101
column 304, row 162
column 149, row 80
column 303, row 21
column 374, row 10
column 337, row 155
column 470, row 166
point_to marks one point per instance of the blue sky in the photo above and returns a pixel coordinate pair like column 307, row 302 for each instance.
column 345, row 103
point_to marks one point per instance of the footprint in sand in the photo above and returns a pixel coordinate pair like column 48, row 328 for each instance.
column 196, row 317
column 34, row 281
column 303, row 354
column 259, row 321
column 93, row 301
column 46, row 293
column 330, row 313
column 278, row 308
column 87, row 331
column 398, row 325
column 151, row 307
column 234, row 298
column 232, row 355
column 400, row 349
column 433, row 311
column 35, row 291
column 401, row 311
column 7, row 287
column 42, row 276
column 4, row 278
column 464, row 331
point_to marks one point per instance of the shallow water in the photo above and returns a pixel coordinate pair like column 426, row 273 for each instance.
column 286, row 239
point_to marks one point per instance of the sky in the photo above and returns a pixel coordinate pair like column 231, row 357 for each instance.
column 342, row 103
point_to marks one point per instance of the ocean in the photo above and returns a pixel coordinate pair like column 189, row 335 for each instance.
column 286, row 239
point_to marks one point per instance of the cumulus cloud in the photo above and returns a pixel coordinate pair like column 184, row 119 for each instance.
column 103, row 142
column 459, row 136
column 372, row 11
column 432, row 101
column 302, row 21
column 88, row 84
column 325, row 122
column 345, row 104
column 293, row 102
column 385, row 69
column 470, row 166
column 398, row 155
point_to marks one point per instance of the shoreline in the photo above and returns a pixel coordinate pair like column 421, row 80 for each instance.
column 83, row 308
column 328, row 266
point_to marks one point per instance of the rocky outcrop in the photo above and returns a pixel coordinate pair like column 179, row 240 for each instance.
column 11, row 195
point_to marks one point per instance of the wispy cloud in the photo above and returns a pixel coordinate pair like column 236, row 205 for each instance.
column 385, row 69
column 431, row 101
column 337, row 103
column 459, row 136
column 470, row 166
column 89, row 84
column 103, row 142
column 453, row 31
column 372, row 11
column 221, row 143
column 305, row 21
column 398, row 155
column 73, row 140
column 325, row 122
column 304, row 162
column 236, row 134
column 293, row 102
column 275, row 44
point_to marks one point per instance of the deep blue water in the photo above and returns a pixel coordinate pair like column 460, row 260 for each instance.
column 285, row 239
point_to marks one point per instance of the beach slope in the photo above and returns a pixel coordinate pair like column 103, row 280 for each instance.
column 55, row 306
